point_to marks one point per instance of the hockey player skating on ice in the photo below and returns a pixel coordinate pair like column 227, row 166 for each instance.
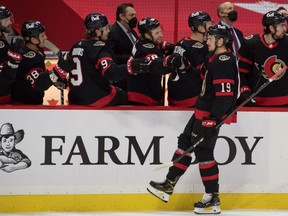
column 217, row 99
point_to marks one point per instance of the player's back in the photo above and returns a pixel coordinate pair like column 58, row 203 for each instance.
column 86, row 82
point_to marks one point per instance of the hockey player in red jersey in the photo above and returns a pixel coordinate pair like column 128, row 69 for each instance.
column 147, row 89
column 94, row 67
column 10, row 55
column 184, row 84
column 260, row 57
column 217, row 99
column 33, row 79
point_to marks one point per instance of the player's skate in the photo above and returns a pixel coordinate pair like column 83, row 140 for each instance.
column 162, row 190
column 210, row 204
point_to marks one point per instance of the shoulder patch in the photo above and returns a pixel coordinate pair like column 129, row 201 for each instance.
column 2, row 44
column 99, row 43
column 149, row 45
column 224, row 57
column 198, row 45
column 30, row 54
column 249, row 37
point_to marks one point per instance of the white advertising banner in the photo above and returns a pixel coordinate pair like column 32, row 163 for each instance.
column 117, row 151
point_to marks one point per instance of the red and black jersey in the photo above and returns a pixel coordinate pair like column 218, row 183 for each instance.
column 184, row 86
column 258, row 61
column 147, row 88
column 89, row 81
column 32, row 79
column 220, row 87
column 7, row 73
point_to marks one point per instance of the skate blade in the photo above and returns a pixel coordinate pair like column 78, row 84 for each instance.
column 159, row 194
column 209, row 210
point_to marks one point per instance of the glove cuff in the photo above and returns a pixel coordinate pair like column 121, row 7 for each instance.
column 16, row 57
column 62, row 73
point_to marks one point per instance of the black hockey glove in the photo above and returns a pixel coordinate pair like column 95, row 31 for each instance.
column 16, row 50
column 167, row 48
column 204, row 128
column 244, row 96
column 60, row 73
column 137, row 66
column 174, row 61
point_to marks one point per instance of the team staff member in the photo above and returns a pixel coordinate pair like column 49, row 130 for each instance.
column 260, row 57
column 94, row 68
column 217, row 98
column 184, row 85
column 122, row 37
column 33, row 79
column 228, row 15
column 10, row 55
column 146, row 89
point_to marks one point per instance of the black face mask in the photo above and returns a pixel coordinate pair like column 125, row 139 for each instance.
column 232, row 15
column 133, row 22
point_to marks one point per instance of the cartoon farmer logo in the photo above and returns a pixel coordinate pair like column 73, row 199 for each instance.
column 11, row 159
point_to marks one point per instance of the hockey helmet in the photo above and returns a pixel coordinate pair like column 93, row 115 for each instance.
column 146, row 25
column 4, row 12
column 272, row 18
column 95, row 21
column 32, row 28
column 198, row 18
column 220, row 31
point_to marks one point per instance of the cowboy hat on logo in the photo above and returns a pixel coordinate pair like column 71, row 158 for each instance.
column 8, row 130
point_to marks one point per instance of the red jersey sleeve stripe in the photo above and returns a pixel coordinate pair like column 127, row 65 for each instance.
column 243, row 70
column 100, row 60
column 243, row 59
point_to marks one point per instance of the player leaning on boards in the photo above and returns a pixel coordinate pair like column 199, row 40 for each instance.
column 260, row 57
column 217, row 99
column 10, row 55
column 33, row 79
column 94, row 68
column 184, row 84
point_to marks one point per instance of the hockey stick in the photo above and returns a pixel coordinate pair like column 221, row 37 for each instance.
column 190, row 149
column 49, row 45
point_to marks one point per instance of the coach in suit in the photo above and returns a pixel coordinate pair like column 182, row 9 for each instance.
column 122, row 37
column 228, row 15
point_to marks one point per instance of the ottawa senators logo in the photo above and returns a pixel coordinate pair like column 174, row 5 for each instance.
column 271, row 66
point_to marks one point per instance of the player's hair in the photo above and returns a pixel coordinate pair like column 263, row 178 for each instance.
column 122, row 9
